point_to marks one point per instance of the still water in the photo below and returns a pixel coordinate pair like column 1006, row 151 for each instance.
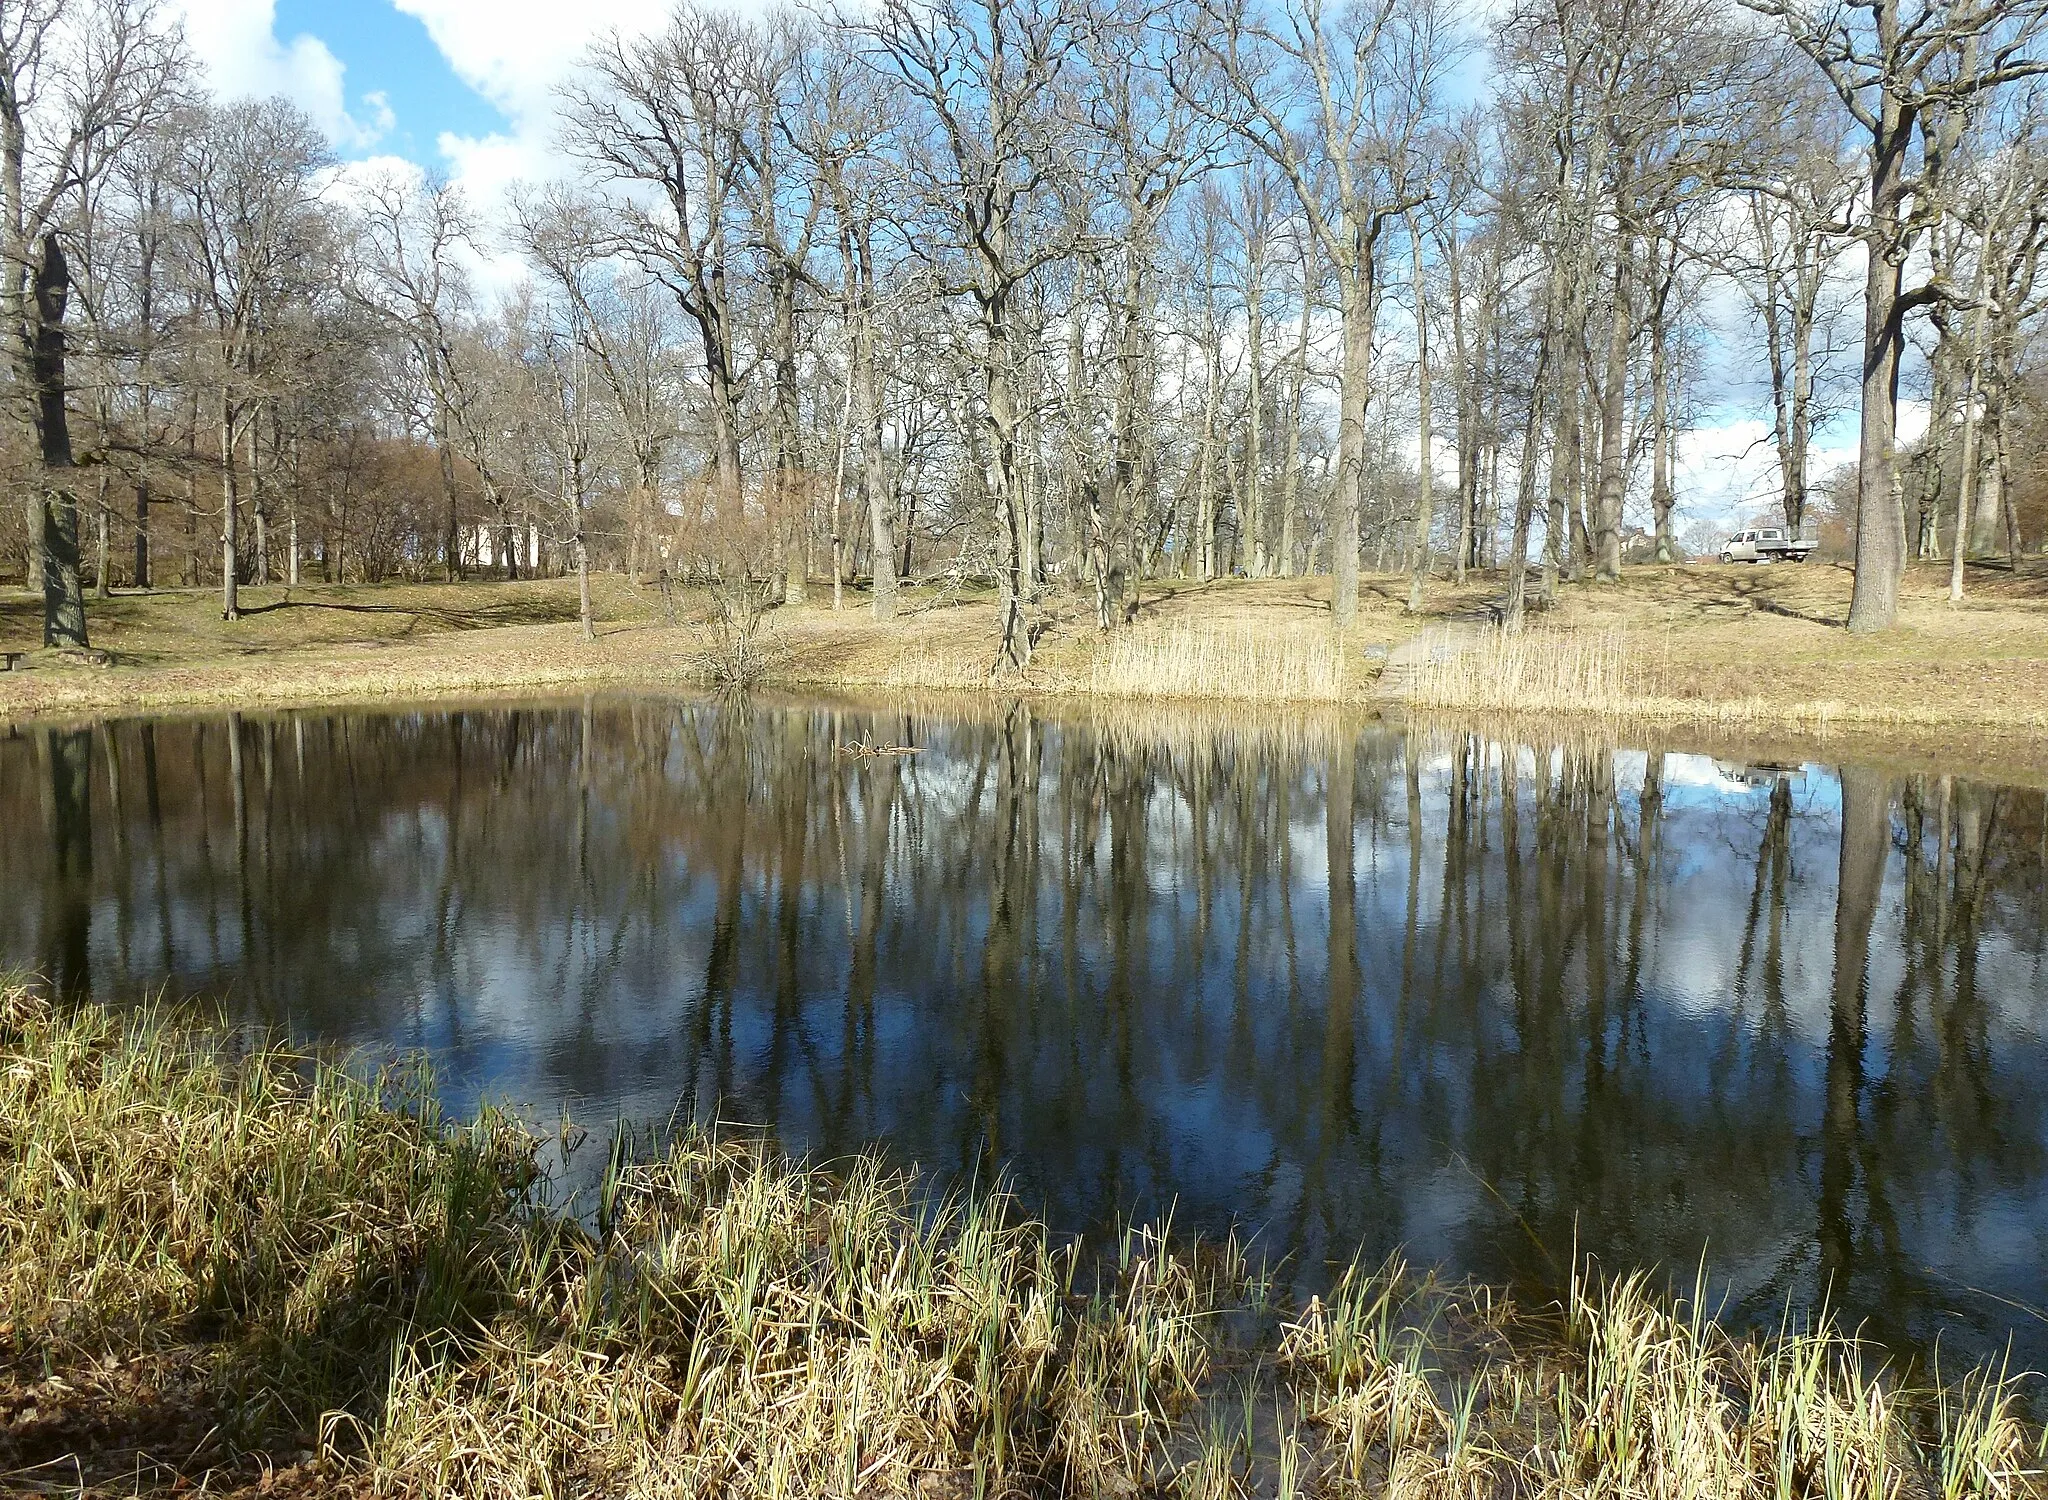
column 1342, row 987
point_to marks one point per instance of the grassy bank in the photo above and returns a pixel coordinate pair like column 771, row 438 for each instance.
column 1734, row 646
column 237, row 1266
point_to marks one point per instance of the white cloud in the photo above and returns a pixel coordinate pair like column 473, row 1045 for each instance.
column 487, row 169
column 348, row 179
column 236, row 42
column 379, row 106
column 1912, row 420
column 515, row 52
column 1727, row 473
column 1725, row 469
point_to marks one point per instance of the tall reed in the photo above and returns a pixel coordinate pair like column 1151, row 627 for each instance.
column 1186, row 661
column 1581, row 671
column 1607, row 674
column 161, row 1188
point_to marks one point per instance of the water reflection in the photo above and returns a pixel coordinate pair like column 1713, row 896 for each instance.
column 1343, row 986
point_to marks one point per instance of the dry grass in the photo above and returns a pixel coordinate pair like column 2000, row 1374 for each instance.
column 1198, row 661
column 1608, row 674
column 1613, row 674
column 316, row 1253
column 1644, row 1398
column 1540, row 671
column 1705, row 645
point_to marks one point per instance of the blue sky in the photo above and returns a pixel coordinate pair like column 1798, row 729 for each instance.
column 391, row 54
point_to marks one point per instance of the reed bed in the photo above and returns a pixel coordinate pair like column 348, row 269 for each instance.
column 333, row 1260
column 1188, row 661
column 1622, row 677
column 1577, row 671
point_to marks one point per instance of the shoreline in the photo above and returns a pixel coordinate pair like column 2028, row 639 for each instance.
column 1774, row 672
column 2015, row 759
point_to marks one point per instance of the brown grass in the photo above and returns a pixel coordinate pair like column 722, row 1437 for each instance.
column 1299, row 665
column 1703, row 644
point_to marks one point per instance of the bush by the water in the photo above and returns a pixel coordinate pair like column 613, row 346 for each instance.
column 274, row 1252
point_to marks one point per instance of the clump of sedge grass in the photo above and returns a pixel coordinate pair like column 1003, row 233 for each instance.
column 161, row 1189
column 723, row 1321
column 1640, row 1397
column 745, row 1326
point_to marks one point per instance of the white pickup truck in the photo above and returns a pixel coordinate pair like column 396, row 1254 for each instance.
column 1762, row 544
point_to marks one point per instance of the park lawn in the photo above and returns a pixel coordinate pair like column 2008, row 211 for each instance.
column 1763, row 645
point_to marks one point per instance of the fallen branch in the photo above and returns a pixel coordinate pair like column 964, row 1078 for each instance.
column 863, row 748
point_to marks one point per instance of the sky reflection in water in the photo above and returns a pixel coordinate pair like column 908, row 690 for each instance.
column 1555, row 995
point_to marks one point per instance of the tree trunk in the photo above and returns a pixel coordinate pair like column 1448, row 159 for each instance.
column 1984, row 526
column 230, row 525
column 142, row 532
column 256, row 498
column 1253, row 521
column 1966, row 481
column 791, row 499
column 1355, row 394
column 1662, row 501
column 1802, row 406
column 583, row 582
column 723, row 391
column 839, row 487
column 1425, row 502
column 2001, row 451
column 1880, row 524
column 1290, row 480
column 1468, row 426
column 451, row 539
column 881, row 502
column 1525, row 493
column 1613, row 463
column 55, row 512
column 103, row 574
column 1013, row 645
column 1205, row 482
column 1559, row 544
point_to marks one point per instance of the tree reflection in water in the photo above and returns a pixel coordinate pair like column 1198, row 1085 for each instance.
column 1343, row 986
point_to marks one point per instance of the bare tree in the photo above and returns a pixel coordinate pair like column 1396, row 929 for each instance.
column 404, row 269
column 624, row 332
column 843, row 133
column 1338, row 99
column 1794, row 232
column 253, row 229
column 991, row 84
column 1895, row 63
column 80, row 81
column 667, row 121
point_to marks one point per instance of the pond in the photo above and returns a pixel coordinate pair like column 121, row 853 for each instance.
column 1343, row 987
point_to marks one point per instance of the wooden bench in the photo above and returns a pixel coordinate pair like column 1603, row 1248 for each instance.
column 9, row 658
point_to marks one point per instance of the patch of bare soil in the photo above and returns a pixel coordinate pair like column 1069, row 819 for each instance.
column 158, row 1425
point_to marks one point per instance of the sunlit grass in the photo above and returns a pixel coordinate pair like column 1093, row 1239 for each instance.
column 1710, row 646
